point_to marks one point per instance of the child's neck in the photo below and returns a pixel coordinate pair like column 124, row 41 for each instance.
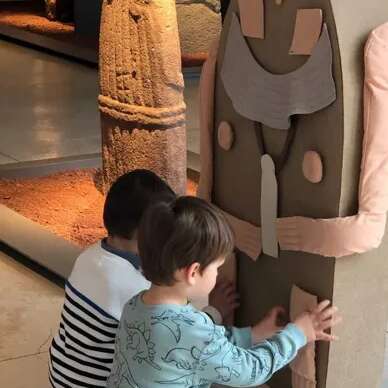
column 166, row 295
column 122, row 244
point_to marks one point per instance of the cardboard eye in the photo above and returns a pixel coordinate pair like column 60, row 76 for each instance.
column 312, row 167
column 308, row 27
column 252, row 18
column 225, row 135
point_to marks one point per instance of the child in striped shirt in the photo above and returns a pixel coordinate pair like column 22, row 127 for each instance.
column 105, row 276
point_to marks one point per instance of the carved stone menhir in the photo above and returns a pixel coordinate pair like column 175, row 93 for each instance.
column 199, row 24
column 141, row 91
column 214, row 5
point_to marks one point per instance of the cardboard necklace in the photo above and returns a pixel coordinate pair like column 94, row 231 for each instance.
column 272, row 99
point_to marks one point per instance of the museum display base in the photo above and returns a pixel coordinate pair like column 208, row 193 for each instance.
column 50, row 219
column 26, row 22
column 30, row 16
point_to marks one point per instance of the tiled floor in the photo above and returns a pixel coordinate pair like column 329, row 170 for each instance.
column 385, row 375
column 48, row 106
column 30, row 307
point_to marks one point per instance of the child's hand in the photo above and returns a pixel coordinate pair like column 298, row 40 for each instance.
column 313, row 324
column 272, row 323
column 224, row 298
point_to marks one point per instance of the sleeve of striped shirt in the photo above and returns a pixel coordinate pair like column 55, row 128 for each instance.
column 81, row 354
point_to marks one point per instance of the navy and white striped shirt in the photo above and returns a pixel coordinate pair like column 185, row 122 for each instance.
column 102, row 281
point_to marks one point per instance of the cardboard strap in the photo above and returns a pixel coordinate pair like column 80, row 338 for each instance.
column 303, row 366
column 269, row 207
column 270, row 167
column 281, row 160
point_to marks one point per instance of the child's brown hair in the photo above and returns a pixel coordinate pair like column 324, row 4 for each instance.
column 175, row 235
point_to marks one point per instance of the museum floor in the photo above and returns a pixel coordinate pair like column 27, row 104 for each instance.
column 48, row 106
column 30, row 306
column 48, row 109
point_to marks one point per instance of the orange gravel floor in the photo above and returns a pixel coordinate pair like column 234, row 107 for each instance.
column 68, row 204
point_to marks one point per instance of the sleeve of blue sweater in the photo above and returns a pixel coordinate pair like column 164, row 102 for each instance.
column 241, row 337
column 229, row 364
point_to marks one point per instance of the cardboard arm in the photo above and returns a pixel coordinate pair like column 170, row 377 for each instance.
column 206, row 121
column 333, row 237
column 339, row 237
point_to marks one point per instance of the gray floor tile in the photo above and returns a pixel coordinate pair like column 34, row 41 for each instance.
column 30, row 317
column 50, row 109
column 5, row 159
column 26, row 372
column 52, row 146
column 385, row 375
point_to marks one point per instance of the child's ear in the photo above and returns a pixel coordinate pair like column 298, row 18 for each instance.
column 192, row 273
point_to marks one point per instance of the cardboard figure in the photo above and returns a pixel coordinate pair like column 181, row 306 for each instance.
column 294, row 145
column 141, row 96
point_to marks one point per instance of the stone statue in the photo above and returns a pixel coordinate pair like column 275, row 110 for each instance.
column 141, row 91
column 60, row 10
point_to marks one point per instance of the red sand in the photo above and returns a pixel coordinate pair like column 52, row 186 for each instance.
column 30, row 16
column 68, row 204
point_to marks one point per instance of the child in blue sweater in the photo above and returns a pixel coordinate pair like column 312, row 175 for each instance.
column 163, row 341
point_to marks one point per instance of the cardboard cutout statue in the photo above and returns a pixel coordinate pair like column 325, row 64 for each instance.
column 294, row 150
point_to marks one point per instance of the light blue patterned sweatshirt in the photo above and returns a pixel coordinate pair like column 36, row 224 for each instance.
column 179, row 346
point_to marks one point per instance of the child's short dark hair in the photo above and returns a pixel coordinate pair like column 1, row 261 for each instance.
column 177, row 234
column 129, row 197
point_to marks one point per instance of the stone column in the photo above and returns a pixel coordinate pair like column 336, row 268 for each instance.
column 141, row 91
column 199, row 25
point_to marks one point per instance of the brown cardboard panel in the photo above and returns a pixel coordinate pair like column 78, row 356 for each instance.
column 356, row 284
column 229, row 271
column 267, row 282
column 269, row 207
column 303, row 366
column 308, row 26
column 252, row 16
